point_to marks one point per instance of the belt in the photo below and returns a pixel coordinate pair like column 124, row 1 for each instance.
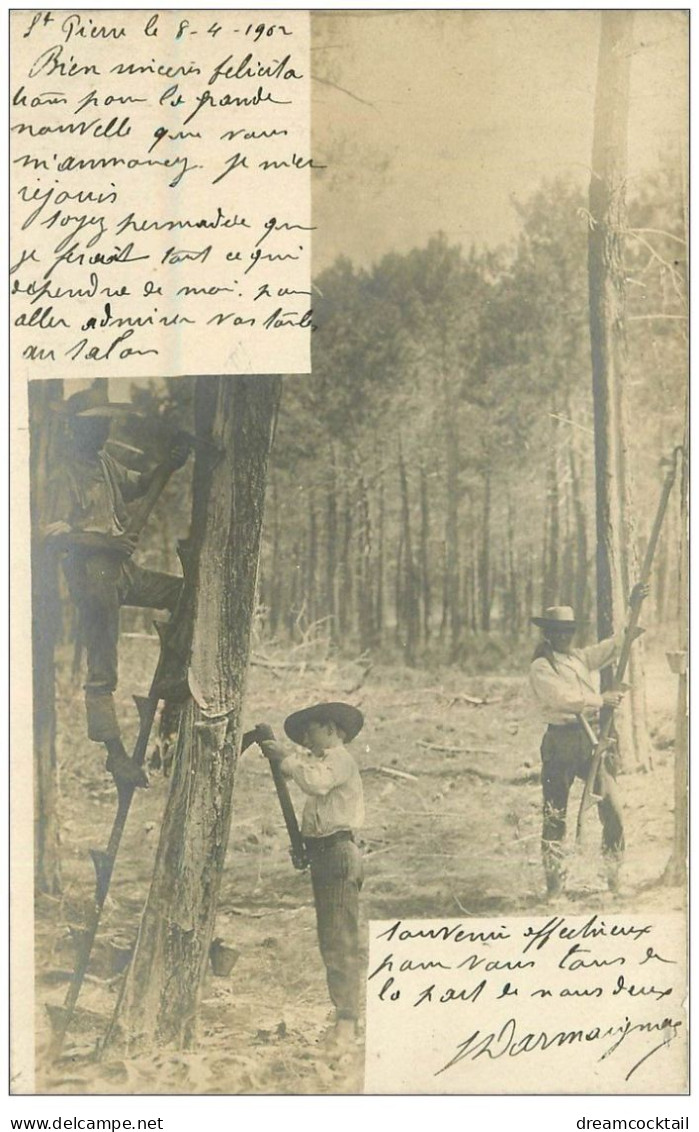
column 575, row 725
column 322, row 844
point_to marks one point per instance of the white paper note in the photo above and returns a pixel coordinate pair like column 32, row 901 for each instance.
column 562, row 1004
column 160, row 196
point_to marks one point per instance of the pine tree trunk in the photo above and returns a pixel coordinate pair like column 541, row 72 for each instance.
column 380, row 563
column 529, row 588
column 46, row 624
column 296, row 598
column 676, row 869
column 484, row 570
column 551, row 565
column 607, row 286
column 425, row 581
column 411, row 619
column 331, row 548
column 364, row 581
column 513, row 612
column 311, row 563
column 453, row 569
column 444, row 619
column 275, row 586
column 346, row 591
column 159, row 1003
column 581, row 603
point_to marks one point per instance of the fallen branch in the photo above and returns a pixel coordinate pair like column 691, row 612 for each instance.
column 288, row 666
column 457, row 750
column 474, row 701
column 387, row 770
column 485, row 775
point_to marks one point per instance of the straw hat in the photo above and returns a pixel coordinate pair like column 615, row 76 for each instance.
column 558, row 617
column 93, row 403
column 349, row 719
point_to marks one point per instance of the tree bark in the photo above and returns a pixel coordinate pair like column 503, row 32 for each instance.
column 365, row 601
column 426, row 585
column 581, row 603
column 46, row 625
column 551, row 564
column 453, row 565
column 346, row 589
column 410, row 607
column 512, row 606
column 484, row 569
column 160, row 997
column 380, row 563
column 276, row 583
column 676, row 868
column 607, row 287
column 331, row 547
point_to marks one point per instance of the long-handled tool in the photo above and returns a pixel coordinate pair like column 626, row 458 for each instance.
column 297, row 851
column 263, row 733
column 602, row 742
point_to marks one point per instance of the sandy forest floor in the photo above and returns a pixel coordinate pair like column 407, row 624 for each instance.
column 459, row 839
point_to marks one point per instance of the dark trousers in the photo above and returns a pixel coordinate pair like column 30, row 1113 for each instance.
column 337, row 874
column 566, row 754
column 99, row 585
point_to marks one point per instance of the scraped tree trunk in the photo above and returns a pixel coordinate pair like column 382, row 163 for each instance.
column 160, row 997
column 46, row 623
column 607, row 336
column 676, row 869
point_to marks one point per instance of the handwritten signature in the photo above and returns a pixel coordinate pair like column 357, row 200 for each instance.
column 510, row 1041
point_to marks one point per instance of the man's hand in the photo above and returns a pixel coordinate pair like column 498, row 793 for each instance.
column 123, row 544
column 638, row 593
column 269, row 746
column 613, row 699
column 52, row 530
column 179, row 451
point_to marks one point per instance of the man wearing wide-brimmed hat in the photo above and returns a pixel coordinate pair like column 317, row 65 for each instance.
column 566, row 687
column 88, row 525
column 329, row 776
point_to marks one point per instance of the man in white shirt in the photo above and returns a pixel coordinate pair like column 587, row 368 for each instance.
column 566, row 687
column 334, row 809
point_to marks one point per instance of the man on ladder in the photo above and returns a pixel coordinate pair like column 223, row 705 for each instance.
column 90, row 525
column 564, row 682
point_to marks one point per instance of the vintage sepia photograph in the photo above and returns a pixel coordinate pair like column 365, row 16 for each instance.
column 349, row 368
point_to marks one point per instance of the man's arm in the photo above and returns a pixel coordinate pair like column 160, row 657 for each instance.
column 317, row 777
column 175, row 459
column 601, row 654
